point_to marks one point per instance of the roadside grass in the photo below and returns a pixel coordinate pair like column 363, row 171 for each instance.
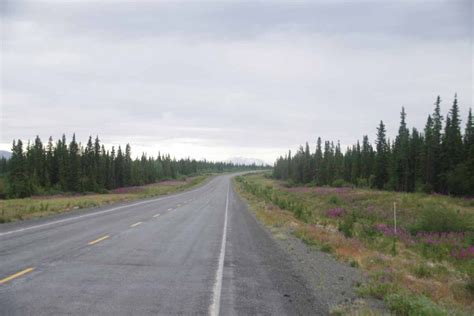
column 425, row 268
column 40, row 206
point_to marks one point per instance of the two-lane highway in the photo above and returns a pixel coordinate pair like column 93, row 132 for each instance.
column 196, row 252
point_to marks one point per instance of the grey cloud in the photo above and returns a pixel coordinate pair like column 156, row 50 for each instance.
column 256, row 77
column 419, row 19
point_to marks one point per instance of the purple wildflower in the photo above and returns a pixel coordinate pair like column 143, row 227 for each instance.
column 335, row 212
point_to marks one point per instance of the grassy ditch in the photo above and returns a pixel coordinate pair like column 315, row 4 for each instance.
column 20, row 209
column 426, row 267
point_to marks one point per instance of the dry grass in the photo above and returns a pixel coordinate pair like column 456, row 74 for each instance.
column 20, row 209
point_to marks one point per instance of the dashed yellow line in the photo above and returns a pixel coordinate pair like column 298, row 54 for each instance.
column 16, row 275
column 136, row 224
column 179, row 205
column 98, row 240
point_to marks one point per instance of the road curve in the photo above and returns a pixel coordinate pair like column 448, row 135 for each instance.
column 196, row 252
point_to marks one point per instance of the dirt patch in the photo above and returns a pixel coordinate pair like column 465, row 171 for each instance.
column 170, row 182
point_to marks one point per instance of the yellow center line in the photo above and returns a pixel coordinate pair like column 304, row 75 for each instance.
column 136, row 224
column 156, row 215
column 16, row 275
column 98, row 240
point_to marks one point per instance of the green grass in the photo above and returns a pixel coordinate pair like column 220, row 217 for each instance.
column 20, row 209
column 412, row 275
column 406, row 304
column 423, row 271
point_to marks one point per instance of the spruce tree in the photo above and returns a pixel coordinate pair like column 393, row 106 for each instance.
column 111, row 180
column 366, row 160
column 19, row 183
column 119, row 168
column 436, row 144
column 428, row 158
column 348, row 165
column 51, row 167
column 318, row 160
column 62, row 154
column 3, row 166
column 307, row 165
column 298, row 162
column 98, row 164
column 381, row 159
column 74, row 166
column 338, row 163
column 452, row 151
column 326, row 164
column 469, row 154
column 356, row 164
column 453, row 135
column 38, row 163
column 89, row 167
column 415, row 162
column 17, row 175
column 401, row 155
column 128, row 166
column 469, row 133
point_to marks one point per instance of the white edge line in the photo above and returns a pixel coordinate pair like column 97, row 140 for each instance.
column 217, row 289
column 93, row 214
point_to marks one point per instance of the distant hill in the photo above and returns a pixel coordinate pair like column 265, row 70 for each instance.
column 247, row 161
column 6, row 154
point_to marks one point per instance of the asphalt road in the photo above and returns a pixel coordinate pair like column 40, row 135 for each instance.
column 198, row 252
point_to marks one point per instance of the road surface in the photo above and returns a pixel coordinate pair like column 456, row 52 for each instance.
column 198, row 252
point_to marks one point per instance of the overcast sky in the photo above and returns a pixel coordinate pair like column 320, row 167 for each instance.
column 228, row 78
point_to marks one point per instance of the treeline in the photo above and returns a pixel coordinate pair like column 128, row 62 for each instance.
column 71, row 167
column 439, row 159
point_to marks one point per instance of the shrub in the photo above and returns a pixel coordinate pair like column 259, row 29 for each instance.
column 290, row 183
column 375, row 289
column 408, row 304
column 457, row 181
column 470, row 278
column 368, row 231
column 422, row 271
column 347, row 226
column 435, row 218
column 393, row 250
column 300, row 212
column 362, row 183
column 44, row 207
column 339, row 183
column 354, row 264
column 326, row 248
column 426, row 188
column 334, row 200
